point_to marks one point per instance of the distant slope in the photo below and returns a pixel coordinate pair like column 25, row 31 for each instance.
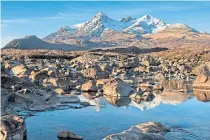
column 32, row 42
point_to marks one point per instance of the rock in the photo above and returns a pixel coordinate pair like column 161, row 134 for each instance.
column 95, row 73
column 128, row 62
column 89, row 86
column 116, row 87
column 160, row 77
column 38, row 76
column 201, row 68
column 202, row 81
column 140, row 69
column 13, row 128
column 17, row 87
column 68, row 135
column 7, row 82
column 144, row 131
column 19, row 69
column 59, row 91
column 6, row 97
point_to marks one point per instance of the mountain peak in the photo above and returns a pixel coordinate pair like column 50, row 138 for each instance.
column 147, row 17
column 100, row 15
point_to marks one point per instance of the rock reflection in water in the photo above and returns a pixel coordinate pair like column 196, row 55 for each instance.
column 118, row 101
column 90, row 97
column 177, row 85
column 202, row 95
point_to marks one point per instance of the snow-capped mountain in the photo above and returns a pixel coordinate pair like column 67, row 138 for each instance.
column 101, row 22
column 145, row 25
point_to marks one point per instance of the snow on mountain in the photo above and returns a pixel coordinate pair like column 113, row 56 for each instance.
column 101, row 22
column 145, row 25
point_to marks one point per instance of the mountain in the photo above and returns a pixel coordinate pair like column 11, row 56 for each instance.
column 32, row 42
column 102, row 31
column 100, row 23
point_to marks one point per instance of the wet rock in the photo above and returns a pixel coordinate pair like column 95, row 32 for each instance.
column 116, row 87
column 13, row 128
column 68, row 135
column 144, row 131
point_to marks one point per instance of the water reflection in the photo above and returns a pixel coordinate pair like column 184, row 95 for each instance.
column 118, row 101
column 175, row 92
column 202, row 95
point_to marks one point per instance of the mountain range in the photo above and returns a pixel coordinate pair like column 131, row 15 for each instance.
column 101, row 32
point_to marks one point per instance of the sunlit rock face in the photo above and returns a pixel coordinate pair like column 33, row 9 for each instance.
column 202, row 81
column 202, row 95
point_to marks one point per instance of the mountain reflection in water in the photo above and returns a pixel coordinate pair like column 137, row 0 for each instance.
column 184, row 109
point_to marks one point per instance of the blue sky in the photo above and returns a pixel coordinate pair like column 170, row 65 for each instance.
column 41, row 18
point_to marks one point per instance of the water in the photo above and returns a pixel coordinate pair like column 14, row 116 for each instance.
column 188, row 117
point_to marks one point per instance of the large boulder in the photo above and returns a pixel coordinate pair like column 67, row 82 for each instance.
column 68, row 135
column 13, row 128
column 116, row 87
column 202, row 81
column 144, row 131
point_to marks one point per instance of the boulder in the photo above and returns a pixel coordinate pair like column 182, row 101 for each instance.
column 13, row 128
column 144, row 131
column 68, row 135
column 19, row 69
column 95, row 73
column 116, row 87
column 202, row 81
column 89, row 86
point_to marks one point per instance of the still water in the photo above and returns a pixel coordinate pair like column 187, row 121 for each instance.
column 188, row 117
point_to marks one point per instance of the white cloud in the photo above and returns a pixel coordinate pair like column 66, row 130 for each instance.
column 16, row 21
